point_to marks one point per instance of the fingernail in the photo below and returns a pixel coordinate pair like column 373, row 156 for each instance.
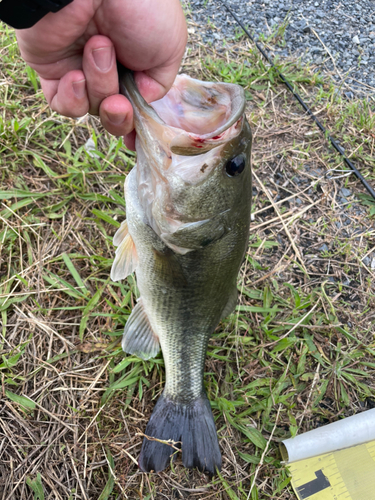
column 103, row 58
column 80, row 88
column 116, row 119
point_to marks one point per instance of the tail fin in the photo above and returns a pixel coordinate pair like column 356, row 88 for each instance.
column 190, row 424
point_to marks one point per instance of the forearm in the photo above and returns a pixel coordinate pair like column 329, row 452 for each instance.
column 22, row 14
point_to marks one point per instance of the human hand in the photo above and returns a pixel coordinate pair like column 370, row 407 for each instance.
column 74, row 52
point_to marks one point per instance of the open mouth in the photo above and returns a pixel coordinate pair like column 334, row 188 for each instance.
column 203, row 110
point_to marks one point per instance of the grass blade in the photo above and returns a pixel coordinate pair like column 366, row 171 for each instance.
column 108, row 488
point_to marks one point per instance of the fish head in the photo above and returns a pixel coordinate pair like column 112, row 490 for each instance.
column 193, row 167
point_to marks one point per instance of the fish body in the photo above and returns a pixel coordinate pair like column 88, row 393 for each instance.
column 188, row 213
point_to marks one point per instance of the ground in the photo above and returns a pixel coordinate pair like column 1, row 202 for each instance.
column 297, row 353
column 338, row 37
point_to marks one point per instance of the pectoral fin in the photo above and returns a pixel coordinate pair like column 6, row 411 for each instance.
column 121, row 233
column 168, row 268
column 196, row 235
column 231, row 304
column 126, row 258
column 139, row 337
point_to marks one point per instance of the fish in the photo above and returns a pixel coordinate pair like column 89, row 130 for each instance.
column 188, row 203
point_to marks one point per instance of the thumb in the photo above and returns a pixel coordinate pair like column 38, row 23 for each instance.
column 154, row 83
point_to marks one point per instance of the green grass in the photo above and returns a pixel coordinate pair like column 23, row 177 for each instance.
column 297, row 353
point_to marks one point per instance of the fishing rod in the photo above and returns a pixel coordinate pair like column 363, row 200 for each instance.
column 334, row 143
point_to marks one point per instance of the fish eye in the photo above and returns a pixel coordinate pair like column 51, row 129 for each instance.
column 235, row 166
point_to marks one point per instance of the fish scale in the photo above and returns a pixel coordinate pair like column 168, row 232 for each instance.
column 186, row 235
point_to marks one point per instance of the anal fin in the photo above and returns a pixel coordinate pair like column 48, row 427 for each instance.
column 126, row 258
column 139, row 337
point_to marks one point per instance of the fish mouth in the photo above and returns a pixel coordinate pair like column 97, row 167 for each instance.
column 203, row 109
column 203, row 115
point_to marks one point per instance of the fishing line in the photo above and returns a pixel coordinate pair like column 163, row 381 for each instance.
column 334, row 143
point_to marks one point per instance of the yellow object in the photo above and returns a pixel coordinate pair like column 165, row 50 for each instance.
column 344, row 473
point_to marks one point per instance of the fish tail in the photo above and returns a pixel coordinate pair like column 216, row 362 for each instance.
column 189, row 427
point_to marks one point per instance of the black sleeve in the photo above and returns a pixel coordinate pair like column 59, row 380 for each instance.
column 22, row 14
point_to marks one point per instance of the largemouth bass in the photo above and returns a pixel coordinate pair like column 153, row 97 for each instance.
column 188, row 214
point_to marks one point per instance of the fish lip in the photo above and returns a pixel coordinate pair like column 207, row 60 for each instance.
column 217, row 134
column 190, row 144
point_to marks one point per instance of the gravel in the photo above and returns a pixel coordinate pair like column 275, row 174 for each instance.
column 346, row 31
column 346, row 192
